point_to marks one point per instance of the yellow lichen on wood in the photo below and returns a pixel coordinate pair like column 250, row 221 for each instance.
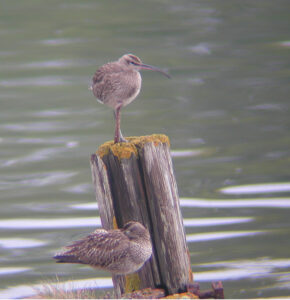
column 121, row 150
column 186, row 295
column 156, row 139
column 115, row 225
column 132, row 283
column 125, row 150
column 147, row 293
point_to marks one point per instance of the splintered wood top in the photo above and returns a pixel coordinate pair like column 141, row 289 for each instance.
column 125, row 150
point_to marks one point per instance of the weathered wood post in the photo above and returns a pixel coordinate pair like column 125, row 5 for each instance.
column 135, row 181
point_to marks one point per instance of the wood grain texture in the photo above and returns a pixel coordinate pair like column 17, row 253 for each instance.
column 105, row 204
column 142, row 188
column 128, row 203
column 168, row 230
column 102, row 191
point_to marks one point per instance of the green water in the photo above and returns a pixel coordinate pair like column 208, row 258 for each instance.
column 227, row 104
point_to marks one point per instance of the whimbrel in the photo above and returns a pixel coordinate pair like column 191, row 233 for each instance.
column 118, row 83
column 119, row 251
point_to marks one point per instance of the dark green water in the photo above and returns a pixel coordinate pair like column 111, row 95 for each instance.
column 226, row 111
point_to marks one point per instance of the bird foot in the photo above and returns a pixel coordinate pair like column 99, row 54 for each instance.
column 121, row 140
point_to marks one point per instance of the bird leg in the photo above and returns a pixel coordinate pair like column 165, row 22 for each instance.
column 118, row 134
column 122, row 139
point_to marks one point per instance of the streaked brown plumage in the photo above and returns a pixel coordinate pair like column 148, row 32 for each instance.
column 120, row 251
column 118, row 83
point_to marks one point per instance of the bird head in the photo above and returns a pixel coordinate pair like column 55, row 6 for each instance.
column 135, row 230
column 134, row 62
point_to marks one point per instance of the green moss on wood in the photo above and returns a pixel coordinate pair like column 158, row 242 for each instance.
column 125, row 150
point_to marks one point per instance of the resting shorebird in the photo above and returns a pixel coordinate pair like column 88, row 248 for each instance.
column 119, row 251
column 118, row 83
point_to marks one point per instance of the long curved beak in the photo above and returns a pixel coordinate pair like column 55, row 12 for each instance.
column 152, row 68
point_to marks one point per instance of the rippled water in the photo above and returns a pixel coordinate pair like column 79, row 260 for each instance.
column 226, row 111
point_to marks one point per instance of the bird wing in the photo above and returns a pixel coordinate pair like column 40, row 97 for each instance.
column 109, row 82
column 101, row 79
column 97, row 249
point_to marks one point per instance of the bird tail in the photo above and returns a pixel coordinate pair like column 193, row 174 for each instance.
column 60, row 258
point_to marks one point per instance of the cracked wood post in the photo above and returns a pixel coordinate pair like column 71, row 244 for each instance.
column 135, row 181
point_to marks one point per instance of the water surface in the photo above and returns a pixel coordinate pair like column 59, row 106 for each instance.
column 226, row 111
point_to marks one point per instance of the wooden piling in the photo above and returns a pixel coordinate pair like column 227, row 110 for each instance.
column 135, row 181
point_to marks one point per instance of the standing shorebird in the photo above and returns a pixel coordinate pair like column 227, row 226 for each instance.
column 118, row 83
column 119, row 251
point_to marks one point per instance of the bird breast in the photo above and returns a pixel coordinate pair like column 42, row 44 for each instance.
column 117, row 88
column 140, row 252
column 134, row 87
